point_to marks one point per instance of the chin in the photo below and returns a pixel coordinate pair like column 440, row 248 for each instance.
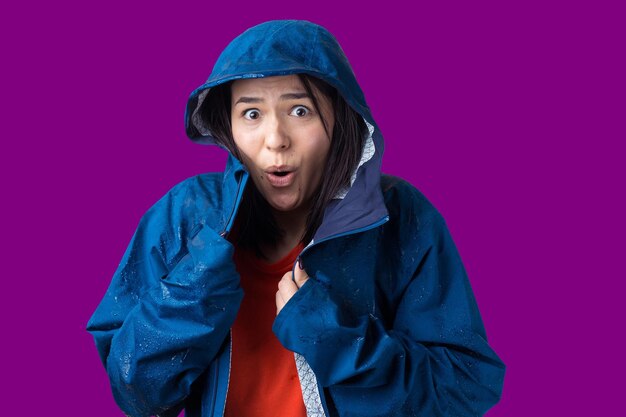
column 284, row 208
column 284, row 205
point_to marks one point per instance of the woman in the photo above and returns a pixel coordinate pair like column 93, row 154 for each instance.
column 376, row 318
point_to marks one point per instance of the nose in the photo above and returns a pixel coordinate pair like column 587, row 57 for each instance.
column 276, row 136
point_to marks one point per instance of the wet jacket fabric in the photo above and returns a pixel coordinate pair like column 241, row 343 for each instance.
column 387, row 324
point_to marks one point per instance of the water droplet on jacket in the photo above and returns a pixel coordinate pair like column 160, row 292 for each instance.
column 165, row 292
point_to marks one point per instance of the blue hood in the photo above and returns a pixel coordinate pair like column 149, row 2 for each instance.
column 284, row 47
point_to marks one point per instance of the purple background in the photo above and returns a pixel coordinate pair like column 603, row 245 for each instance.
column 509, row 116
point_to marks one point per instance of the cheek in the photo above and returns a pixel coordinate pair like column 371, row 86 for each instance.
column 317, row 162
column 320, row 153
column 246, row 146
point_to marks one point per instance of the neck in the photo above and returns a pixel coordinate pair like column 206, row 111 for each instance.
column 293, row 225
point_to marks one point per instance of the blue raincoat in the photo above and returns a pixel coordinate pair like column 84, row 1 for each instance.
column 386, row 326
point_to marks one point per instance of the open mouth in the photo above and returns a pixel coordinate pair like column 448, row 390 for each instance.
column 281, row 177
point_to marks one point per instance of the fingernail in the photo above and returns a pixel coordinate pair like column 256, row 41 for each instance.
column 300, row 263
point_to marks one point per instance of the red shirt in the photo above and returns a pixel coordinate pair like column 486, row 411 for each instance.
column 263, row 376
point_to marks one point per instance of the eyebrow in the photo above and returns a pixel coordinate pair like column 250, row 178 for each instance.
column 288, row 96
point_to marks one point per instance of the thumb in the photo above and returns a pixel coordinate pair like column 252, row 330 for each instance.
column 299, row 274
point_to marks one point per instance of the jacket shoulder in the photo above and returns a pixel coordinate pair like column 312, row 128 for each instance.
column 206, row 186
column 193, row 199
column 184, row 209
column 404, row 201
column 414, row 223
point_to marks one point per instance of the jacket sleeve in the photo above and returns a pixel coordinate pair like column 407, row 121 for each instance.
column 167, row 311
column 432, row 359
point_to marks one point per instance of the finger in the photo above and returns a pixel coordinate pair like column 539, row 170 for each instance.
column 287, row 287
column 280, row 303
column 300, row 275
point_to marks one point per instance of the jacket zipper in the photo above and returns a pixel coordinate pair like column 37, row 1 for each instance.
column 230, row 361
column 240, row 185
column 378, row 223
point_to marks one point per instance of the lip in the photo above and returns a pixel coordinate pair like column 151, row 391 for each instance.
column 278, row 180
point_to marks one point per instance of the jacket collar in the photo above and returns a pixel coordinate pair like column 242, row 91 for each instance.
column 234, row 181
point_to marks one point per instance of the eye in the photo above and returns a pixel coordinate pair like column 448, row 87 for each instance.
column 300, row 111
column 251, row 114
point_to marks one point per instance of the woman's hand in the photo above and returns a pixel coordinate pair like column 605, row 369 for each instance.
column 287, row 287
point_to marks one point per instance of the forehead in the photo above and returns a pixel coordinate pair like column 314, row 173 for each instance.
column 266, row 86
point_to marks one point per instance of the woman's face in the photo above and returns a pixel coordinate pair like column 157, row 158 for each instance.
column 281, row 138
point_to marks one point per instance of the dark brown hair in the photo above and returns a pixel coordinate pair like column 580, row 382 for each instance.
column 255, row 222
